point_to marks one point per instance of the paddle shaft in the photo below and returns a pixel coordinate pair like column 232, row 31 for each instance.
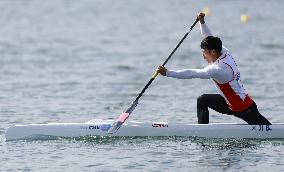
column 122, row 118
column 165, row 62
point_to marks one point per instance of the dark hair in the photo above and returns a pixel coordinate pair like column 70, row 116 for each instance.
column 212, row 43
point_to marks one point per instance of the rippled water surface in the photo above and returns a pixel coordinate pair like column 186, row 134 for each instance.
column 71, row 61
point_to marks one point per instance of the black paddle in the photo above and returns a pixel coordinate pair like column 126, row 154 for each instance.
column 122, row 118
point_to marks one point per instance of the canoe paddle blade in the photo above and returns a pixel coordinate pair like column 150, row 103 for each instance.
column 122, row 118
column 117, row 124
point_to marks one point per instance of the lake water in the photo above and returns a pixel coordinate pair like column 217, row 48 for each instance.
column 72, row 61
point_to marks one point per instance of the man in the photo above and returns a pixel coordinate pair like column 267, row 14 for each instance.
column 222, row 68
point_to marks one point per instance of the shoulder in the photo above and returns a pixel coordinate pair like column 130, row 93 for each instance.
column 225, row 50
column 220, row 72
column 213, row 69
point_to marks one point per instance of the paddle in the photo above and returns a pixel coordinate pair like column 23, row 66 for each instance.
column 122, row 118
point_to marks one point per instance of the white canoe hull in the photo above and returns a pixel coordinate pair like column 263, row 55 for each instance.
column 132, row 128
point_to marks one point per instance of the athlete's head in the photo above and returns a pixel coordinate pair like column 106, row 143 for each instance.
column 212, row 47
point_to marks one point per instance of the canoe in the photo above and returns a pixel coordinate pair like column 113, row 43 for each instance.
column 154, row 129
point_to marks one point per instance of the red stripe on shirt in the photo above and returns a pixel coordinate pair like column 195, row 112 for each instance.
column 235, row 102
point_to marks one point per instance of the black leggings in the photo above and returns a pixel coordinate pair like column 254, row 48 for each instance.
column 218, row 103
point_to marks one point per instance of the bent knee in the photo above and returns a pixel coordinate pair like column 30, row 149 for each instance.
column 201, row 100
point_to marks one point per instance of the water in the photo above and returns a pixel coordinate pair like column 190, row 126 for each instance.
column 71, row 61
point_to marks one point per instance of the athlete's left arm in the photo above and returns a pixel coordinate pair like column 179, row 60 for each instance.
column 189, row 74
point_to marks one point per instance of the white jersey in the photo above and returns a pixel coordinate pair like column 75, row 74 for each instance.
column 225, row 73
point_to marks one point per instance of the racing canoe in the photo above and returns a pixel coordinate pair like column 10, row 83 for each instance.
column 153, row 129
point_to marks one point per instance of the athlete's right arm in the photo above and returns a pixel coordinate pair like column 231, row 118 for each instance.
column 205, row 31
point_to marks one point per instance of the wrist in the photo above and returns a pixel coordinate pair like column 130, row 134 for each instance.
column 166, row 74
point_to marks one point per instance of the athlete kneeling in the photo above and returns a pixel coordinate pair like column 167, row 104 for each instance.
column 224, row 71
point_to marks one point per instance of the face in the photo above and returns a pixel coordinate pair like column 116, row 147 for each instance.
column 210, row 55
column 207, row 55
